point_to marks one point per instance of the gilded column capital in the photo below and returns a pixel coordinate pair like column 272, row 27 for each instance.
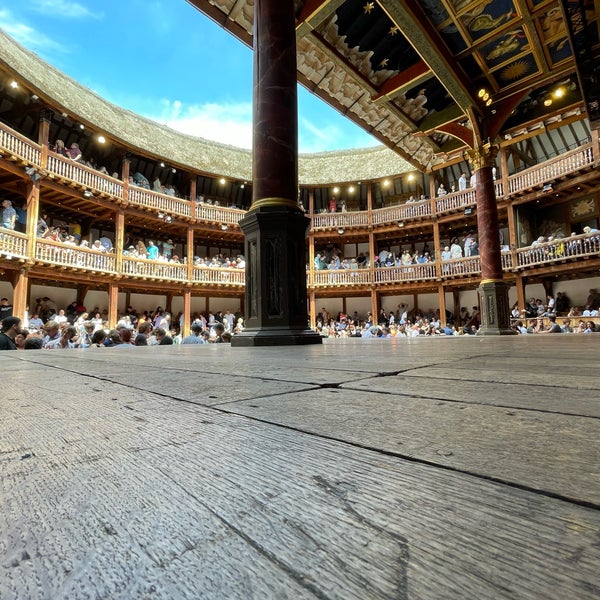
column 483, row 156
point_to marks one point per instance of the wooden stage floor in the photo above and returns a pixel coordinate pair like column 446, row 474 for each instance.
column 439, row 469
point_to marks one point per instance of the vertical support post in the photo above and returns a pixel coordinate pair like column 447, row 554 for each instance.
column 113, row 304
column 275, row 227
column 492, row 291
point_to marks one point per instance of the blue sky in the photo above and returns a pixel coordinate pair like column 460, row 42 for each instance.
column 164, row 60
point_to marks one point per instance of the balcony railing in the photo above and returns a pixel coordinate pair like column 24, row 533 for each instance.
column 14, row 246
column 402, row 212
column 559, row 250
column 346, row 277
column 154, row 269
column 88, row 178
column 406, row 273
column 336, row 220
column 169, row 205
column 216, row 276
column 218, row 214
column 16, row 146
column 63, row 255
column 547, row 172
column 455, row 201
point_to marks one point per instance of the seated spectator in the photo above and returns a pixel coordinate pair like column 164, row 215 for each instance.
column 59, row 148
column 74, row 153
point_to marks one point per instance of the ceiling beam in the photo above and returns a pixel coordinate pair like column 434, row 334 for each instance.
column 407, row 79
column 313, row 13
column 418, row 30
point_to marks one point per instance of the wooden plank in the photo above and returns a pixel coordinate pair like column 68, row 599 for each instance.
column 469, row 388
column 555, row 453
column 132, row 495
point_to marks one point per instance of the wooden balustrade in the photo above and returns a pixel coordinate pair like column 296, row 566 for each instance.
column 15, row 146
column 559, row 250
column 219, row 276
column 169, row 205
column 154, row 269
column 12, row 244
column 341, row 219
column 219, row 214
column 455, row 201
column 412, row 210
column 346, row 277
column 547, row 172
column 88, row 178
column 405, row 273
column 64, row 255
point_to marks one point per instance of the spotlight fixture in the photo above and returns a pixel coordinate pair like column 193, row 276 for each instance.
column 81, row 126
column 242, row 186
column 222, row 181
column 162, row 165
column 340, row 230
column 485, row 96
column 14, row 84
column 411, row 177
column 336, row 190
column 101, row 139
column 400, row 223
column 468, row 211
column 161, row 215
column 351, row 189
column 386, row 183
column 224, row 226
column 168, row 219
column 173, row 170
column 88, row 194
column 35, row 97
column 547, row 187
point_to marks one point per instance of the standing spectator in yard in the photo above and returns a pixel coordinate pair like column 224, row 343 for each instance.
column 11, row 326
column 6, row 309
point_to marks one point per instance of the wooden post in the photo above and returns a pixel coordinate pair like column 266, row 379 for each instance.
column 187, row 311
column 113, row 304
column 119, row 240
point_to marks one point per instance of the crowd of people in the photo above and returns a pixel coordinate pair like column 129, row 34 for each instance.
column 75, row 327
column 402, row 322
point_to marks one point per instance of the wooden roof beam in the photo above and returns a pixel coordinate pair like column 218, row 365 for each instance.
column 404, row 80
column 418, row 30
column 313, row 13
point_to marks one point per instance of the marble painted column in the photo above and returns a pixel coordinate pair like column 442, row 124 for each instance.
column 492, row 291
column 275, row 227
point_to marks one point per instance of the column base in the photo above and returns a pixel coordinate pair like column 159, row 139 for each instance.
column 276, row 336
column 275, row 303
column 495, row 313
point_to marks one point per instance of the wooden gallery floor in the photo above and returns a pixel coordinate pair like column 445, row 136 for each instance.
column 441, row 469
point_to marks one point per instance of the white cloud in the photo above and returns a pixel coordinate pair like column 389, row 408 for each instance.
column 27, row 36
column 226, row 123
column 64, row 8
column 231, row 123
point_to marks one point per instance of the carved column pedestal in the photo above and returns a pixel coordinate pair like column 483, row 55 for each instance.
column 275, row 248
column 495, row 311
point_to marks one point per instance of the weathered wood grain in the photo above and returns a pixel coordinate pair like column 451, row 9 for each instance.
column 114, row 486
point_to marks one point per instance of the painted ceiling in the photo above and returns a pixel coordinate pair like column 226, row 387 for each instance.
column 432, row 78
